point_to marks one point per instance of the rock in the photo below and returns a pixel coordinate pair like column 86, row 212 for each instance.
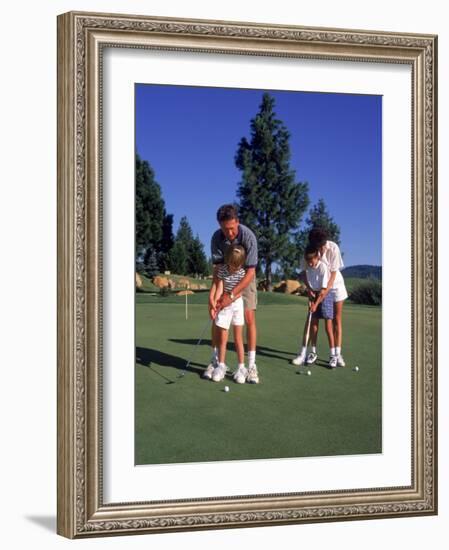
column 139, row 282
column 194, row 286
column 278, row 286
column 160, row 282
column 171, row 284
column 183, row 283
column 288, row 287
column 203, row 287
column 184, row 293
column 262, row 285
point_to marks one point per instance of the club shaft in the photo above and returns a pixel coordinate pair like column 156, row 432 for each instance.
column 309, row 320
column 197, row 344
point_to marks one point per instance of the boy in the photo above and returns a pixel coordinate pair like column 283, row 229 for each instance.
column 229, row 275
column 320, row 307
column 330, row 255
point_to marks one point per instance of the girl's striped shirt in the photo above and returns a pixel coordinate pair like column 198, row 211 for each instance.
column 230, row 280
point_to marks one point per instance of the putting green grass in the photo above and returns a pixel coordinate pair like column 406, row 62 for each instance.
column 188, row 419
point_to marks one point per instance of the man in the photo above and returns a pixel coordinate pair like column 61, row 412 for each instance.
column 233, row 232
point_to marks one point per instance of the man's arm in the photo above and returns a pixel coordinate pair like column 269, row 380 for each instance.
column 237, row 291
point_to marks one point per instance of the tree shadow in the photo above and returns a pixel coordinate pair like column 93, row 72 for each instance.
column 151, row 357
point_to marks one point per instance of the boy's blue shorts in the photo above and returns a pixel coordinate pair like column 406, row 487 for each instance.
column 325, row 310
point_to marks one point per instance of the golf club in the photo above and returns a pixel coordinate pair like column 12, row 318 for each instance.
column 195, row 349
column 306, row 339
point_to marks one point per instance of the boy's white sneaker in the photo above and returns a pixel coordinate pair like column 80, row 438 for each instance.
column 240, row 375
column 207, row 374
column 311, row 358
column 299, row 360
column 253, row 375
column 219, row 373
column 341, row 361
column 333, row 361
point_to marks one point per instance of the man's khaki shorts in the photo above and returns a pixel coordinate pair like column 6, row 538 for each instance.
column 249, row 295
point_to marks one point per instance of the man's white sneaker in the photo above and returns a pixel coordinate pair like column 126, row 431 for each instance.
column 207, row 374
column 299, row 360
column 341, row 361
column 240, row 375
column 311, row 358
column 332, row 361
column 253, row 375
column 219, row 373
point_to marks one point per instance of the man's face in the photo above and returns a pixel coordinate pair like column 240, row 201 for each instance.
column 230, row 229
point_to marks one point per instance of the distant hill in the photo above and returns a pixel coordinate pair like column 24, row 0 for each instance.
column 363, row 271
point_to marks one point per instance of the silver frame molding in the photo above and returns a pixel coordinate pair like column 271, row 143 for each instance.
column 81, row 39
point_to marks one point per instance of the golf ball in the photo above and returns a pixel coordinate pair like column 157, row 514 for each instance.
column 226, row 389
column 309, row 373
column 356, row 369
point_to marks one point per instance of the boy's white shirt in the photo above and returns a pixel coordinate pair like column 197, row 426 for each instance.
column 318, row 276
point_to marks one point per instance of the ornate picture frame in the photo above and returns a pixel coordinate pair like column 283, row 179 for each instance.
column 82, row 38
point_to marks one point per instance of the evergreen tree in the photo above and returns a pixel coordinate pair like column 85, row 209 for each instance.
column 151, row 266
column 178, row 258
column 272, row 203
column 197, row 264
column 167, row 243
column 180, row 252
column 184, row 233
column 320, row 217
column 187, row 255
column 150, row 208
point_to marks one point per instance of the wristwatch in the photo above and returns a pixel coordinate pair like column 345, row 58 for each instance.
column 231, row 295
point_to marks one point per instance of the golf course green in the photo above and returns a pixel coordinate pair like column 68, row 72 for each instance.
column 181, row 419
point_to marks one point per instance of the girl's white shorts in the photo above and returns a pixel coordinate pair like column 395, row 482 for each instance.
column 233, row 313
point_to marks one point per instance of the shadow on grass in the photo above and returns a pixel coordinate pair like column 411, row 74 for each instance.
column 150, row 358
column 261, row 350
column 207, row 343
column 322, row 364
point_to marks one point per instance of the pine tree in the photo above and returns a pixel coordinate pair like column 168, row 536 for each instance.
column 197, row 264
column 272, row 203
column 178, row 258
column 150, row 262
column 150, row 209
column 180, row 252
column 320, row 217
column 167, row 243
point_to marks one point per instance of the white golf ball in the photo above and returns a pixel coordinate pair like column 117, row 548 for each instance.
column 226, row 389
column 309, row 373
column 356, row 369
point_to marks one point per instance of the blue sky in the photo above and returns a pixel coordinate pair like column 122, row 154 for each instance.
column 189, row 135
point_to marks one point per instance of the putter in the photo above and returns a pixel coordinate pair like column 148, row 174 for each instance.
column 184, row 370
column 309, row 321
